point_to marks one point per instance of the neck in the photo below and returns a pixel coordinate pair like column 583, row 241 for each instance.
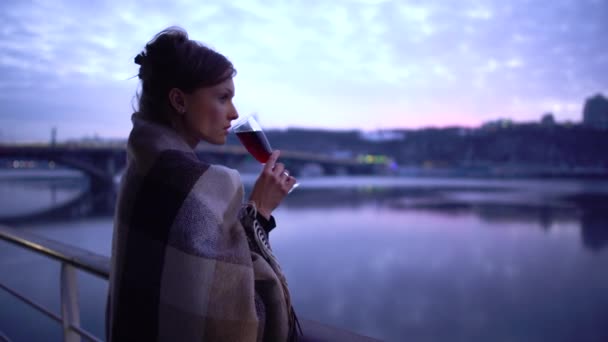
column 182, row 130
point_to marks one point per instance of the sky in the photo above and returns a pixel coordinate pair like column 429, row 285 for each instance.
column 341, row 64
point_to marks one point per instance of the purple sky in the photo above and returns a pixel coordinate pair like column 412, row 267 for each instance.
column 334, row 64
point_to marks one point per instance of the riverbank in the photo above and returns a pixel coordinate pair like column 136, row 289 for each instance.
column 506, row 172
column 18, row 174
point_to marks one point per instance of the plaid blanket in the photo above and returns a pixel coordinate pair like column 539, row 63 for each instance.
column 190, row 262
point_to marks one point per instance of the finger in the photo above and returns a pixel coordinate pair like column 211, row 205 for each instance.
column 285, row 177
column 278, row 169
column 289, row 183
column 272, row 160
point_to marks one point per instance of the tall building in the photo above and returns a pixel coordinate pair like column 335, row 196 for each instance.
column 595, row 112
column 54, row 136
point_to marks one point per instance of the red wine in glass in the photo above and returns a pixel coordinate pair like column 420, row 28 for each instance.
column 256, row 143
column 250, row 133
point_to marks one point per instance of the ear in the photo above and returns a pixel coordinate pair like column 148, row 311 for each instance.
column 177, row 98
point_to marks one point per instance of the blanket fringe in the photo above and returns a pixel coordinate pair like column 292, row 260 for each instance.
column 262, row 242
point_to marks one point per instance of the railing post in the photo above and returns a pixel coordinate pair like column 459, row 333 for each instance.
column 70, row 313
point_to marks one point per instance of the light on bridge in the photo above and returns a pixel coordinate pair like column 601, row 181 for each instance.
column 373, row 159
column 23, row 164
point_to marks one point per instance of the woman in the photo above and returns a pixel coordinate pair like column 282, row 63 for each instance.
column 190, row 261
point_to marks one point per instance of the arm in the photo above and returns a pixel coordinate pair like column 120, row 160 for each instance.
column 268, row 225
column 271, row 187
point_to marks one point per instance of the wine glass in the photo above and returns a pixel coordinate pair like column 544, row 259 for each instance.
column 251, row 135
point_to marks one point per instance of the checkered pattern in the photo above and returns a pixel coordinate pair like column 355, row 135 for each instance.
column 183, row 268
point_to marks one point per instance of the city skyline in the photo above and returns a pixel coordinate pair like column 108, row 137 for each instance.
column 362, row 65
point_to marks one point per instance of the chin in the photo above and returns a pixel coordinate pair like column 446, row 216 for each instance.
column 218, row 141
column 214, row 140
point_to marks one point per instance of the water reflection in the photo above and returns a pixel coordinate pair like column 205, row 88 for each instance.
column 594, row 218
column 19, row 197
column 411, row 275
column 594, row 229
column 82, row 204
column 431, row 262
column 496, row 205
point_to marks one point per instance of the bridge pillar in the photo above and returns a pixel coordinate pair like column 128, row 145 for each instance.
column 111, row 166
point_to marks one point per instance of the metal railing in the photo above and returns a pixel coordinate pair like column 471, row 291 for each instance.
column 73, row 258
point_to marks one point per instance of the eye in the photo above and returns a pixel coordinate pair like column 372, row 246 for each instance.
column 224, row 97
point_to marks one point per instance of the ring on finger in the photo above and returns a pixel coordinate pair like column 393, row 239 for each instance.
column 286, row 173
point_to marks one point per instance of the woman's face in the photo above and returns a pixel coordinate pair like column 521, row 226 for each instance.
column 209, row 112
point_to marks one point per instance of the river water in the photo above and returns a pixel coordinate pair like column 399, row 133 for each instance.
column 400, row 259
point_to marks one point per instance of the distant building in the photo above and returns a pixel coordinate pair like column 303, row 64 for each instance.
column 54, row 136
column 595, row 112
column 548, row 120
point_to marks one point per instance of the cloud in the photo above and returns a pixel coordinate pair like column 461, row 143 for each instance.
column 479, row 13
column 300, row 60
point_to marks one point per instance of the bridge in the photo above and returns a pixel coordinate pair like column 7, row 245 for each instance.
column 101, row 163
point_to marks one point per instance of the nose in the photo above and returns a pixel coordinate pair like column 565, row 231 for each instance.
column 234, row 114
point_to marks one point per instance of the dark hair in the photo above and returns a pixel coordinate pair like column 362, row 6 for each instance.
column 171, row 60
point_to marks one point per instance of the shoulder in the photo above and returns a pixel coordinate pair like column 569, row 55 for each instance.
column 181, row 172
column 182, row 162
column 172, row 173
column 176, row 162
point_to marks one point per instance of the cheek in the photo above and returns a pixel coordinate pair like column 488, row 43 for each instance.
column 206, row 115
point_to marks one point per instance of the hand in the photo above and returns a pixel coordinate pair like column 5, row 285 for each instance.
column 272, row 186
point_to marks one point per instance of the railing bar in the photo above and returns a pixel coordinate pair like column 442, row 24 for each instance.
column 99, row 265
column 70, row 310
column 85, row 334
column 31, row 303
column 82, row 259
column 46, row 312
